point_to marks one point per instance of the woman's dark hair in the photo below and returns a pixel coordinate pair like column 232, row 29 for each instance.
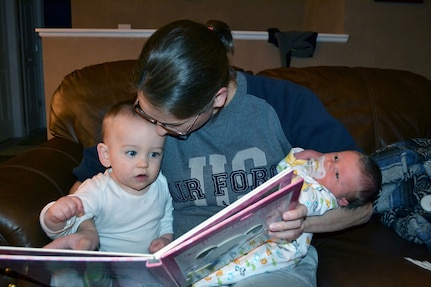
column 183, row 65
column 371, row 182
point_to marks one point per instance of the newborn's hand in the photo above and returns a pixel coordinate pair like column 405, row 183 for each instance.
column 308, row 154
column 292, row 225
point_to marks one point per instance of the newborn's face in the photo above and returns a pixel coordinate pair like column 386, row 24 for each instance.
column 340, row 172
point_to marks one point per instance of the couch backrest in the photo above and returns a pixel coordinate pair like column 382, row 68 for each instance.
column 378, row 106
column 84, row 96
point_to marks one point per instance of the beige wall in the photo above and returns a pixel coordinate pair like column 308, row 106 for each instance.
column 151, row 14
column 384, row 35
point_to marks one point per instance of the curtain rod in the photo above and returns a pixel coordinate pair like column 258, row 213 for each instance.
column 145, row 33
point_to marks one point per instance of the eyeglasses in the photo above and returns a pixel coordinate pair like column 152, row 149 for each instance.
column 169, row 128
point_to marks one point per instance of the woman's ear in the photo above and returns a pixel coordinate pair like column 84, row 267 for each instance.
column 220, row 98
column 342, row 201
column 103, row 153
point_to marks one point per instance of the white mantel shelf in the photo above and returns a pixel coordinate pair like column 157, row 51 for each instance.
column 145, row 33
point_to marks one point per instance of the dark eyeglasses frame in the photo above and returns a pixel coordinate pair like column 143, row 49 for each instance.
column 169, row 129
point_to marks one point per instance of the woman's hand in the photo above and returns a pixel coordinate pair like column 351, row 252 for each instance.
column 292, row 225
column 86, row 238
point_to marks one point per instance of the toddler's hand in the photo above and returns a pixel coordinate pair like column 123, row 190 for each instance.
column 158, row 244
column 65, row 208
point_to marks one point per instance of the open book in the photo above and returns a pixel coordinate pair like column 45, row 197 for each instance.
column 236, row 230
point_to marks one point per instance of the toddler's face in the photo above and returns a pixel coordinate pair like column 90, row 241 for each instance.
column 135, row 152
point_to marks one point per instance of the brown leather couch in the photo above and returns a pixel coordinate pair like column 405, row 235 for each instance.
column 378, row 106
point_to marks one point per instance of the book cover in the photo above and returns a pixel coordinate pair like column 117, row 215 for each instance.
column 237, row 229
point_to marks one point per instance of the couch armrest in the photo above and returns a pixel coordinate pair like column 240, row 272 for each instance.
column 28, row 182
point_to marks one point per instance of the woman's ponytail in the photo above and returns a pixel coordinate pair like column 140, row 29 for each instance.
column 224, row 32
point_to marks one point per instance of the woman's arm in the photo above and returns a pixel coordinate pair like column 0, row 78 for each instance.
column 74, row 187
column 338, row 219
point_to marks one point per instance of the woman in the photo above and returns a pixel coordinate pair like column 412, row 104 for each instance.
column 228, row 130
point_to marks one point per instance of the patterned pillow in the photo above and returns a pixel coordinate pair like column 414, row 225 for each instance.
column 406, row 179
